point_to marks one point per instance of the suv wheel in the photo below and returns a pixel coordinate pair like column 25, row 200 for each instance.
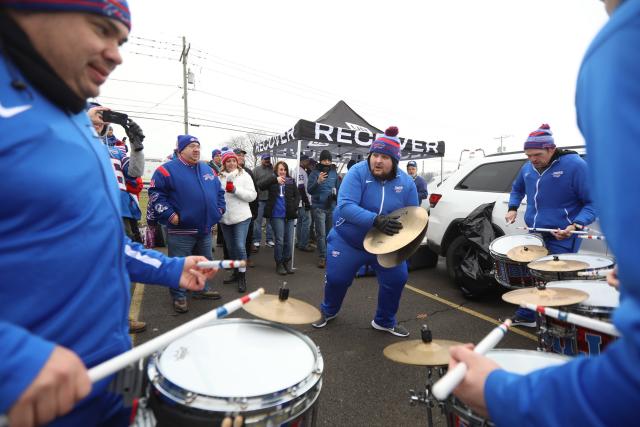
column 456, row 252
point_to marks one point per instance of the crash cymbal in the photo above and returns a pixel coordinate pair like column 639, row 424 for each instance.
column 392, row 259
column 549, row 297
column 526, row 253
column 556, row 265
column 418, row 352
column 413, row 218
column 290, row 311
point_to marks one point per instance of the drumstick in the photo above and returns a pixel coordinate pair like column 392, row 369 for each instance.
column 225, row 263
column 595, row 273
column 592, row 237
column 576, row 319
column 445, row 385
column 115, row 364
column 551, row 230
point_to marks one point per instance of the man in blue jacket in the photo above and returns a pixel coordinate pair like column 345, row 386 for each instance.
column 599, row 390
column 421, row 184
column 323, row 187
column 188, row 199
column 65, row 262
column 555, row 183
column 370, row 191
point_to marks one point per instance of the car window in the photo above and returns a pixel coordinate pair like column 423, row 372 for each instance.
column 492, row 177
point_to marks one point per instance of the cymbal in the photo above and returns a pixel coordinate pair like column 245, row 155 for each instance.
column 549, row 297
column 418, row 352
column 526, row 253
column 392, row 259
column 290, row 311
column 413, row 218
column 558, row 265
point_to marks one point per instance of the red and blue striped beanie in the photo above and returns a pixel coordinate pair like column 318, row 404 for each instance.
column 388, row 144
column 114, row 9
column 540, row 138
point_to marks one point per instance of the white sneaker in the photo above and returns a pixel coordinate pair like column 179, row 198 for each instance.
column 271, row 243
column 397, row 330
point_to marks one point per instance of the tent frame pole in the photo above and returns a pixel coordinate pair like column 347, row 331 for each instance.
column 295, row 228
column 441, row 168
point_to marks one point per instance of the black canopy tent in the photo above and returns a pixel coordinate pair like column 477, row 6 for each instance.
column 343, row 132
column 346, row 134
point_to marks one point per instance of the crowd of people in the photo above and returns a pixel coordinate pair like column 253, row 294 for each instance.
column 52, row 60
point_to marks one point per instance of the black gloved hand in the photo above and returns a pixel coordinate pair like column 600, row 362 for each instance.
column 387, row 224
column 134, row 132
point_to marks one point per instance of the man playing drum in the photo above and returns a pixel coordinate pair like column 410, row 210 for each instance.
column 555, row 183
column 600, row 390
column 370, row 191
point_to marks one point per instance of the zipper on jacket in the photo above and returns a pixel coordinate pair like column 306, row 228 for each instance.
column 382, row 201
column 535, row 197
column 567, row 216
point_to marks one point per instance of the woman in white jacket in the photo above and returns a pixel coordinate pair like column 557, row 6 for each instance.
column 239, row 191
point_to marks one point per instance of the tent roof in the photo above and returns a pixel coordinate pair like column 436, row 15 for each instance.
column 341, row 115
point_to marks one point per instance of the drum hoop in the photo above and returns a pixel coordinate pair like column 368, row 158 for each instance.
column 182, row 396
column 491, row 245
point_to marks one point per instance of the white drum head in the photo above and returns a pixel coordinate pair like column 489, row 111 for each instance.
column 594, row 261
column 237, row 359
column 504, row 244
column 600, row 293
column 525, row 361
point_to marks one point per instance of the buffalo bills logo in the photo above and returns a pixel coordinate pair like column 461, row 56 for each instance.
column 398, row 188
column 209, row 177
column 161, row 208
column 557, row 174
column 378, row 145
column 340, row 221
column 335, row 254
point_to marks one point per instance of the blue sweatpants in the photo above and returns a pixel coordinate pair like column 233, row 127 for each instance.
column 343, row 261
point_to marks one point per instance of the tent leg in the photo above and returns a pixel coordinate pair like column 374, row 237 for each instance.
column 295, row 228
column 441, row 168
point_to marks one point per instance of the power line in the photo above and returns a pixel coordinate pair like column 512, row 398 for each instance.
column 154, row 41
column 152, row 56
column 200, row 125
column 244, row 103
column 143, row 82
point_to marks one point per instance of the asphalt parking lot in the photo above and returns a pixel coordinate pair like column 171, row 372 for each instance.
column 360, row 386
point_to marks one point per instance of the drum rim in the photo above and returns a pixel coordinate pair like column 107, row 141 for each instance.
column 187, row 398
column 585, row 308
column 502, row 256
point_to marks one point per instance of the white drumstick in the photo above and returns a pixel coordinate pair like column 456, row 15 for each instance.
column 576, row 319
column 592, row 237
column 117, row 363
column 226, row 263
column 445, row 385
column 595, row 273
column 551, row 230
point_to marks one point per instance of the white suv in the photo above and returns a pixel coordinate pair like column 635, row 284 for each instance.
column 480, row 180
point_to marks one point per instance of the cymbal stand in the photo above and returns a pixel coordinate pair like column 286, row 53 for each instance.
column 433, row 373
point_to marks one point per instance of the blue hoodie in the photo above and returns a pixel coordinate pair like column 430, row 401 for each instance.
column 363, row 197
column 603, row 390
column 192, row 192
column 557, row 197
column 65, row 263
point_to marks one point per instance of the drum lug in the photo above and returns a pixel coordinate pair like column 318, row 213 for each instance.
column 189, row 398
column 415, row 398
column 293, row 391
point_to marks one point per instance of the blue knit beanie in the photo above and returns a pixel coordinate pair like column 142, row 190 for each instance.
column 540, row 138
column 184, row 140
column 114, row 9
column 388, row 144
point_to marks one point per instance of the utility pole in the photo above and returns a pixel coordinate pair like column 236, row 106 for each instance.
column 502, row 137
column 183, row 58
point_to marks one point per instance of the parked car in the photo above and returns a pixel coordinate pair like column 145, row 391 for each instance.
column 479, row 181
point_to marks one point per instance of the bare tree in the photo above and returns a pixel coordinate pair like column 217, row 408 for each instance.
column 248, row 143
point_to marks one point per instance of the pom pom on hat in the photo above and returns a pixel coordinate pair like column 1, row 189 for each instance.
column 388, row 144
column 540, row 138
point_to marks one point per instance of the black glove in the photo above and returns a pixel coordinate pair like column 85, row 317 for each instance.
column 307, row 207
column 134, row 132
column 387, row 224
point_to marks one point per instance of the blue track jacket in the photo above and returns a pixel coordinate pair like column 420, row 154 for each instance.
column 362, row 197
column 602, row 390
column 65, row 263
column 192, row 192
column 421, row 186
column 557, row 197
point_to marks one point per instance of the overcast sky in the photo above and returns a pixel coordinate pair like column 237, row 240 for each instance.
column 464, row 71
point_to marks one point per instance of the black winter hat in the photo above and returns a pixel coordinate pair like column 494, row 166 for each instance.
column 325, row 155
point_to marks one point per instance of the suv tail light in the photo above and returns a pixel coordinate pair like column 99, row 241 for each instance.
column 434, row 199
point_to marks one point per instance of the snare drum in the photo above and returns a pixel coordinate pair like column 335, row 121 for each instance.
column 564, row 338
column 268, row 373
column 594, row 262
column 516, row 361
column 512, row 274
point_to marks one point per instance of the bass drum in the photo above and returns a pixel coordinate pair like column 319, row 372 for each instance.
column 268, row 373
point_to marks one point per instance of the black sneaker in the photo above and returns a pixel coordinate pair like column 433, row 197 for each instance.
column 522, row 321
column 322, row 322
column 397, row 330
